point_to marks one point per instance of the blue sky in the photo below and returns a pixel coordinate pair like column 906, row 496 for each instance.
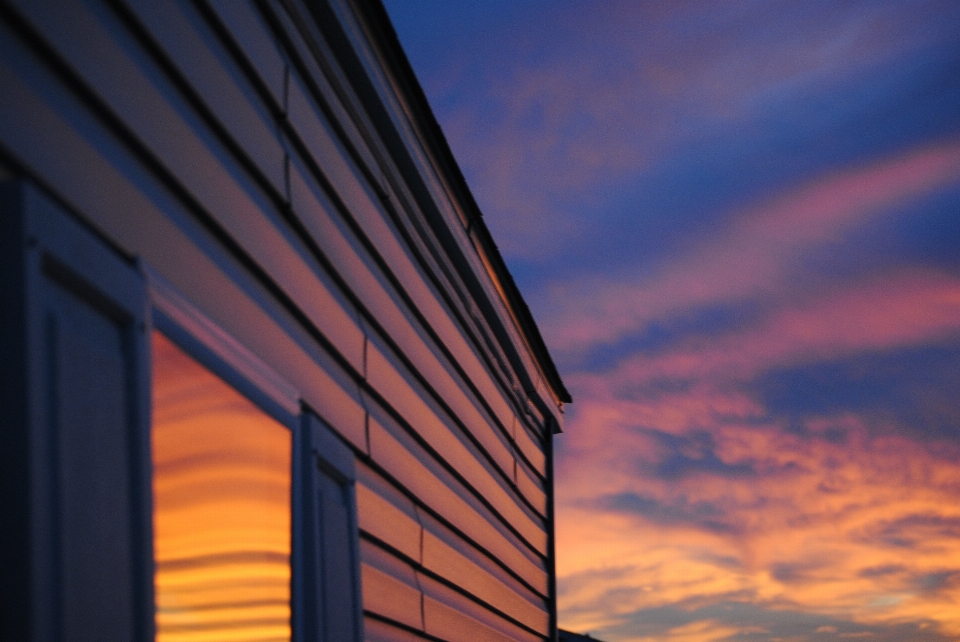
column 738, row 226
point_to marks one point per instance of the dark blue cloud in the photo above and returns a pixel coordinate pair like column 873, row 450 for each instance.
column 914, row 531
column 921, row 234
column 608, row 576
column 938, row 581
column 694, row 453
column 679, row 512
column 794, row 573
column 886, row 570
column 855, row 120
column 761, row 623
column 913, row 390
column 702, row 323
column 929, row 232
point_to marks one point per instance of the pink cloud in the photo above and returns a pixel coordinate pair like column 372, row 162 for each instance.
column 850, row 532
column 900, row 310
column 801, row 533
column 757, row 255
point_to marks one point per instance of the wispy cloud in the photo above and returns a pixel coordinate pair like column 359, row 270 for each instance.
column 856, row 532
column 550, row 118
column 761, row 252
column 679, row 457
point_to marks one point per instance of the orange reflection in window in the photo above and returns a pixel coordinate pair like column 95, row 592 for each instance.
column 221, row 514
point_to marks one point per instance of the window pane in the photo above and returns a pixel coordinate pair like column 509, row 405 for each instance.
column 221, row 520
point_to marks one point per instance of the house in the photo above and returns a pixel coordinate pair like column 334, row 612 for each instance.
column 264, row 375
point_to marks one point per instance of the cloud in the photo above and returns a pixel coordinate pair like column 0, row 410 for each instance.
column 551, row 111
column 913, row 531
column 695, row 454
column 912, row 390
column 760, row 254
column 938, row 581
column 882, row 571
column 702, row 515
column 724, row 620
column 899, row 312
column 699, row 491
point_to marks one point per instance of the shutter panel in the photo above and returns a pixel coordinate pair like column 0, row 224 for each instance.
column 89, row 501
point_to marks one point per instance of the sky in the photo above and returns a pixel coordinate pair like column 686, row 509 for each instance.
column 737, row 224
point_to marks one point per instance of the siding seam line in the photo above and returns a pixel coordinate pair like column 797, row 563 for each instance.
column 420, row 569
column 416, row 573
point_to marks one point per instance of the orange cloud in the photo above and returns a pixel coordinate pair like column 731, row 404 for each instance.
column 677, row 479
column 906, row 309
column 867, row 531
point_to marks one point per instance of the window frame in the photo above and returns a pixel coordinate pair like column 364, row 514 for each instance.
column 200, row 337
column 47, row 248
column 315, row 450
column 323, row 455
column 214, row 349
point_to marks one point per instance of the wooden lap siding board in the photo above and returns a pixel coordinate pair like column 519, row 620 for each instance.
column 260, row 158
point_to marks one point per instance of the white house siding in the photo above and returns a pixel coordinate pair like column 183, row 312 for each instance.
column 229, row 147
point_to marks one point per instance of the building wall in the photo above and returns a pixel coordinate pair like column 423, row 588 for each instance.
column 266, row 163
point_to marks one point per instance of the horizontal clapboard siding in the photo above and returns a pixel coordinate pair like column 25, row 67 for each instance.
column 224, row 144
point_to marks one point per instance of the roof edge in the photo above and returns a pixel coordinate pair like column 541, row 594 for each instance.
column 394, row 56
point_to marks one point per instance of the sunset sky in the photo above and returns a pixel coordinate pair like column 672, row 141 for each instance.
column 738, row 226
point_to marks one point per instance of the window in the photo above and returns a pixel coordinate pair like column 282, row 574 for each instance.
column 221, row 512
column 254, row 519
column 224, row 512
